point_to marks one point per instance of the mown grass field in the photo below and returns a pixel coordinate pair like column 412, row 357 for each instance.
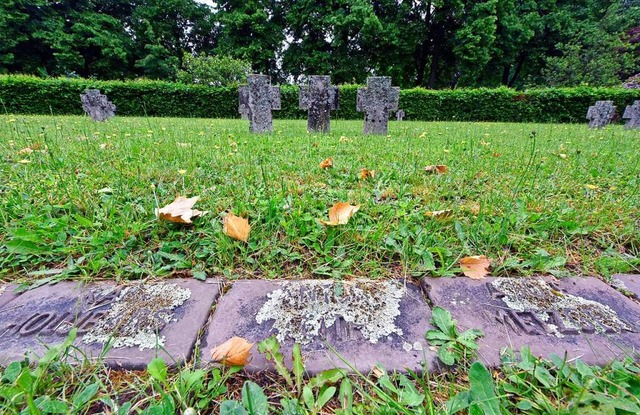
column 78, row 201
column 78, row 198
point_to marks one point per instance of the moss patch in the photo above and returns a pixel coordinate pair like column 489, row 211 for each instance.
column 300, row 309
column 535, row 295
column 137, row 316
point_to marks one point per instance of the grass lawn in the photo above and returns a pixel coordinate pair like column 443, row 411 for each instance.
column 78, row 198
column 78, row 201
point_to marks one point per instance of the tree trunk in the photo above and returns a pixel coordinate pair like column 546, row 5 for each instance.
column 516, row 72
column 506, row 70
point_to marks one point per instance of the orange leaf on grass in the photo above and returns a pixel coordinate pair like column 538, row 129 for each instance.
column 367, row 174
column 340, row 213
column 180, row 210
column 326, row 163
column 436, row 169
column 233, row 352
column 475, row 267
column 236, row 227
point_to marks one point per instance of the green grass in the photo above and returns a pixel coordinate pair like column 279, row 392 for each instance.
column 536, row 198
column 558, row 199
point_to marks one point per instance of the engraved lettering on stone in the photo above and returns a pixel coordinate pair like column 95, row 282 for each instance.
column 96, row 105
column 532, row 303
column 257, row 99
column 601, row 114
column 60, row 323
column 306, row 311
column 376, row 101
column 632, row 115
column 138, row 315
column 318, row 98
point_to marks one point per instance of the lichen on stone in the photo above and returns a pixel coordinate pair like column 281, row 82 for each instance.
column 537, row 296
column 138, row 315
column 300, row 309
column 2, row 288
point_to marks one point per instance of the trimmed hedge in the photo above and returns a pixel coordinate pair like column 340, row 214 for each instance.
column 31, row 95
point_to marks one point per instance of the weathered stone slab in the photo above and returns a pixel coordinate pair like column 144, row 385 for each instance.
column 628, row 283
column 400, row 115
column 632, row 115
column 7, row 293
column 583, row 317
column 256, row 100
column 96, row 105
column 367, row 322
column 376, row 101
column 319, row 98
column 601, row 114
column 136, row 319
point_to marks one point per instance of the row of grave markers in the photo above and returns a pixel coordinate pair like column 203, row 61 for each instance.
column 367, row 322
column 604, row 112
column 258, row 98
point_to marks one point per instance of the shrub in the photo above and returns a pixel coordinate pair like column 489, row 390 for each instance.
column 213, row 70
column 31, row 95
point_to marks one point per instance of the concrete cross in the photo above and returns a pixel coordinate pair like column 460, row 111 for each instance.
column 96, row 105
column 601, row 114
column 257, row 99
column 376, row 100
column 318, row 99
column 632, row 115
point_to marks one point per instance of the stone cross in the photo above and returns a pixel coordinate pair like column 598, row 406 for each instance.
column 96, row 105
column 400, row 115
column 244, row 112
column 632, row 115
column 318, row 99
column 376, row 100
column 257, row 99
column 601, row 114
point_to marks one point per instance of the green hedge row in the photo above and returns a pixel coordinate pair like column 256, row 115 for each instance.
column 30, row 95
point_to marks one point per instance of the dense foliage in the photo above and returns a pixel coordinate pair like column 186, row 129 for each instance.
column 434, row 44
column 32, row 95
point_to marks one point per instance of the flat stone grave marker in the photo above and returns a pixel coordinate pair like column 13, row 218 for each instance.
column 257, row 99
column 96, row 105
column 137, row 319
column 601, row 114
column 376, row 101
column 318, row 98
column 583, row 317
column 7, row 293
column 632, row 115
column 629, row 283
column 367, row 322
column 400, row 115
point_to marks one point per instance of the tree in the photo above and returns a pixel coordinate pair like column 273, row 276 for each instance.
column 253, row 31
column 213, row 70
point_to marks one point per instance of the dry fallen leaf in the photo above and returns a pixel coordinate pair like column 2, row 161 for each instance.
column 562, row 156
column 366, row 174
column 180, row 210
column 475, row 267
column 236, row 227
column 233, row 352
column 26, row 150
column 340, row 213
column 326, row 163
column 437, row 169
column 440, row 214
column 592, row 187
